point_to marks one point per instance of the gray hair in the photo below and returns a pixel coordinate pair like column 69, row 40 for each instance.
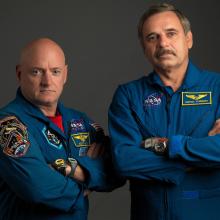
column 158, row 8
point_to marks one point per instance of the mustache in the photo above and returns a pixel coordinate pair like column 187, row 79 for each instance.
column 162, row 52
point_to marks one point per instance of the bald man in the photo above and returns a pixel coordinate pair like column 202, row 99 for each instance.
column 50, row 156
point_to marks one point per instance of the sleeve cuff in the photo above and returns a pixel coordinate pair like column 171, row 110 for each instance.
column 175, row 145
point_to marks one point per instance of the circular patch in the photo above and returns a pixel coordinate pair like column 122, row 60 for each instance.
column 13, row 137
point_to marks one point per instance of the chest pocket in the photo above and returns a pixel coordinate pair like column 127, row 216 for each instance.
column 196, row 121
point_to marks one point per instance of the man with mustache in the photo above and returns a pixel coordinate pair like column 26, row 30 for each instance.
column 51, row 156
column 161, row 126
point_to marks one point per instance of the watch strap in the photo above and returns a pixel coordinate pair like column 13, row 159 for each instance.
column 73, row 163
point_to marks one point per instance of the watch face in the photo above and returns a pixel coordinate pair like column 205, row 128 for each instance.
column 59, row 162
column 160, row 147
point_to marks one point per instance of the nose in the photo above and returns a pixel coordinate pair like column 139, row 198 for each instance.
column 46, row 79
column 163, row 41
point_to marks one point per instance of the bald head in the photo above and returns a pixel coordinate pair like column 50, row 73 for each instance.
column 38, row 47
column 42, row 73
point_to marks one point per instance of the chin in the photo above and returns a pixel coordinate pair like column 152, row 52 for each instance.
column 45, row 102
column 166, row 64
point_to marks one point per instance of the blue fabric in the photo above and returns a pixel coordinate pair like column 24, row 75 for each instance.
column 160, row 185
column 29, row 188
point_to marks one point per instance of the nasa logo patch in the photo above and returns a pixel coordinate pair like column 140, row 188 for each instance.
column 152, row 100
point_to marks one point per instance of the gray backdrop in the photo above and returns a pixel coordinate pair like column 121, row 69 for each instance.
column 99, row 38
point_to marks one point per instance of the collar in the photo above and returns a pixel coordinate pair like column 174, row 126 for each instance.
column 35, row 112
column 192, row 77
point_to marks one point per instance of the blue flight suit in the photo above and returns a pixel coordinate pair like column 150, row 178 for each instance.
column 185, row 184
column 29, row 188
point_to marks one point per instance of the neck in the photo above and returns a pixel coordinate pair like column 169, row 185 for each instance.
column 172, row 77
column 49, row 111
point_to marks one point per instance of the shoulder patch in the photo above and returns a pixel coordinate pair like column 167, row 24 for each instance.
column 13, row 137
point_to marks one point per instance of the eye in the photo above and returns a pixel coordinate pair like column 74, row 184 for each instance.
column 56, row 72
column 151, row 37
column 171, row 34
column 36, row 72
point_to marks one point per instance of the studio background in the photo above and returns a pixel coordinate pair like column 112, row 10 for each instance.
column 100, row 42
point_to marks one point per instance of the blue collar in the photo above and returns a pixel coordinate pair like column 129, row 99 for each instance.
column 35, row 112
column 192, row 77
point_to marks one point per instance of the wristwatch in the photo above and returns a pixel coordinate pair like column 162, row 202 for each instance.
column 73, row 163
column 157, row 145
column 60, row 165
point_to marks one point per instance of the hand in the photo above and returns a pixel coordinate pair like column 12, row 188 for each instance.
column 215, row 129
column 79, row 174
column 87, row 192
column 95, row 150
column 64, row 167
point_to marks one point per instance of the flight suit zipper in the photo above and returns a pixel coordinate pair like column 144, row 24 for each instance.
column 166, row 217
column 168, row 103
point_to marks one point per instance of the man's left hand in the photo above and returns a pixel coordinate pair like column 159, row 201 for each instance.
column 95, row 150
column 215, row 129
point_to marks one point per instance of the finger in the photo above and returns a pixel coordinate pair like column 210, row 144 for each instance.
column 216, row 129
column 98, row 150
column 102, row 151
column 90, row 150
column 95, row 151
column 217, row 121
column 212, row 132
column 86, row 192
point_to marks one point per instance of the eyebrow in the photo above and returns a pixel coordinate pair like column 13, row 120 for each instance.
column 53, row 68
column 171, row 29
column 166, row 30
column 40, row 68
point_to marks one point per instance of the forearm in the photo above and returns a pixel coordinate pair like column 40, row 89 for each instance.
column 198, row 152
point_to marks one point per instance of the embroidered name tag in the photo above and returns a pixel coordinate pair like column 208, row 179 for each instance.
column 196, row 98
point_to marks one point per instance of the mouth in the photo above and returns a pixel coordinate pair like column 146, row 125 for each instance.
column 46, row 90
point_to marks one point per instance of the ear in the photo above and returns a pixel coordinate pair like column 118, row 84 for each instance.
column 189, row 39
column 65, row 73
column 18, row 72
